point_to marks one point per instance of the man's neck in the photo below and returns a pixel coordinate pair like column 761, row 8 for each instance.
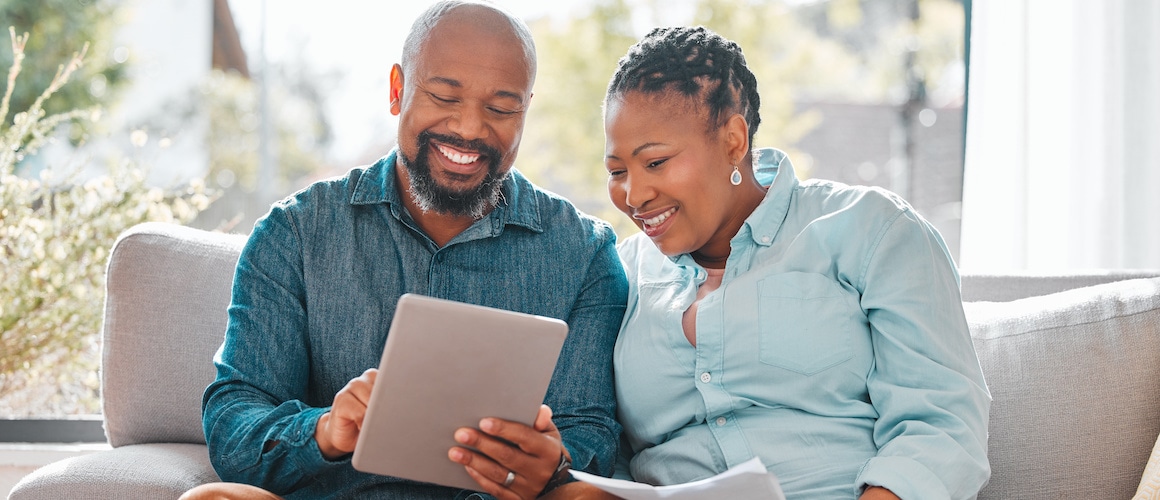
column 440, row 227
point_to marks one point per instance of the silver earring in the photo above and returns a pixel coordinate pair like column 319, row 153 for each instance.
column 735, row 177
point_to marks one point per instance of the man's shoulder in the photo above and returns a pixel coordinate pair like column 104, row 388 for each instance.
column 336, row 189
column 557, row 213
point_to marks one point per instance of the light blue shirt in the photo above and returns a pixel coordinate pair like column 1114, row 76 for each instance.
column 835, row 349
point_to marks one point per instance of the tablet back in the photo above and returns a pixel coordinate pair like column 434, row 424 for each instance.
column 446, row 365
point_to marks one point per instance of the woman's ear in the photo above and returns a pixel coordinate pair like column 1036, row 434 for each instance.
column 396, row 89
column 736, row 138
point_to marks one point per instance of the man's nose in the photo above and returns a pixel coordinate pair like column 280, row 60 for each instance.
column 468, row 123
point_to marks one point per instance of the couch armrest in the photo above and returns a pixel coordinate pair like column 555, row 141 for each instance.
column 138, row 471
column 168, row 288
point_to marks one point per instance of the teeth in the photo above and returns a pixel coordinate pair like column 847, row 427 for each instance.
column 658, row 219
column 457, row 157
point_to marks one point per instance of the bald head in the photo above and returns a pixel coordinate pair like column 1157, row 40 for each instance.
column 480, row 14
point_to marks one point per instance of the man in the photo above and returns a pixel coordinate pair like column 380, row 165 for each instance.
column 443, row 215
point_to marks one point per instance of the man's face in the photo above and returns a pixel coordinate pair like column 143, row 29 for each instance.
column 462, row 109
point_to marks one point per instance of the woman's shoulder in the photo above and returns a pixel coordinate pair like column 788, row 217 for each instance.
column 829, row 197
column 635, row 248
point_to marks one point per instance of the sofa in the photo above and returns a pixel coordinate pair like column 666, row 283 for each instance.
column 1072, row 362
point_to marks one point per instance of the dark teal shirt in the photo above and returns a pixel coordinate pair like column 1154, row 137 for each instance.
column 314, row 294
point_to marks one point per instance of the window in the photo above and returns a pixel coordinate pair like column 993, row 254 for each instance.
column 859, row 91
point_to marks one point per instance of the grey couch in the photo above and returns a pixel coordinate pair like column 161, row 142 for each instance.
column 1072, row 361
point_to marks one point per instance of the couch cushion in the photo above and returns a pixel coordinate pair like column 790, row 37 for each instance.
column 168, row 288
column 138, row 471
column 1075, row 378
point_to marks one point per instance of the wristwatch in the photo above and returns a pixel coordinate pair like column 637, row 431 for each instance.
column 561, row 475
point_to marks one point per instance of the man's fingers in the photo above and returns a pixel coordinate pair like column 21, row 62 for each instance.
column 529, row 440
column 497, row 488
column 544, row 420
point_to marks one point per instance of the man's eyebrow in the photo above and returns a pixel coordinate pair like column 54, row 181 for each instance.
column 510, row 95
column 451, row 82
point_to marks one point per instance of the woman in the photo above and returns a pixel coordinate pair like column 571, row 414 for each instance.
column 815, row 325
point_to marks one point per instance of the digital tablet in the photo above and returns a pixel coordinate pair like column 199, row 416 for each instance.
column 446, row 365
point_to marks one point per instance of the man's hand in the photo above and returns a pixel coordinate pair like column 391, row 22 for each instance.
column 337, row 430
column 531, row 454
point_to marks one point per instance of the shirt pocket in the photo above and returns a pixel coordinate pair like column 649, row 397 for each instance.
column 799, row 321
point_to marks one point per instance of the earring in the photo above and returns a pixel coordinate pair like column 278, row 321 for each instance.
column 735, row 177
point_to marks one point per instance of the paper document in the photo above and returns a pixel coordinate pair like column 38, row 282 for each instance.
column 747, row 480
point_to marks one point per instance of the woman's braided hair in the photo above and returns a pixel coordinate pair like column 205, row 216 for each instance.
column 692, row 61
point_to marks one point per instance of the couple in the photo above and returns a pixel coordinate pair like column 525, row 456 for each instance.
column 814, row 325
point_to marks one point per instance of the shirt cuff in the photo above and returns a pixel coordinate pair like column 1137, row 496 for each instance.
column 307, row 455
column 906, row 478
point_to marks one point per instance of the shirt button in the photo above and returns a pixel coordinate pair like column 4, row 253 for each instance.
column 720, row 421
column 765, row 239
column 705, row 377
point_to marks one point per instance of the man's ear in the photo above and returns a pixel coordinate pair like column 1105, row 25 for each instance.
column 396, row 89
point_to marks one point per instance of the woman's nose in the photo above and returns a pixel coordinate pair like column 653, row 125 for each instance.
column 637, row 192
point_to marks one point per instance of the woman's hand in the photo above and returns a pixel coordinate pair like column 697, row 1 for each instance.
column 877, row 493
column 577, row 490
column 529, row 454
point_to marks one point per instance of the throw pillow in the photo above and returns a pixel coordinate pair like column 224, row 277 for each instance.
column 1150, row 484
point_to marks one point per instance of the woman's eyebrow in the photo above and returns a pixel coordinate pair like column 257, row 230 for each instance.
column 637, row 150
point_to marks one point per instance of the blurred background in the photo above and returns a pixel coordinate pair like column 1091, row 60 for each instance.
column 205, row 113
column 221, row 107
column 260, row 98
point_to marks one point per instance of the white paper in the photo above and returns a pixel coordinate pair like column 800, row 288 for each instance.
column 747, row 480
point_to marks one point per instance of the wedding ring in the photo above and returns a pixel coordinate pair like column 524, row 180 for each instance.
column 510, row 478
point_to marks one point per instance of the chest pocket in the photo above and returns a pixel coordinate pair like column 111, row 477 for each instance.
column 802, row 322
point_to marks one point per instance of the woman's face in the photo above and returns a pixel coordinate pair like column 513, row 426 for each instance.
column 667, row 172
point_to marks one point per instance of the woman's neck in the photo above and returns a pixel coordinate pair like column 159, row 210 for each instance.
column 715, row 253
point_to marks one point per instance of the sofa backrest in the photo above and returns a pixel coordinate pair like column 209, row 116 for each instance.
column 1075, row 375
column 167, row 291
column 1020, row 285
column 1075, row 386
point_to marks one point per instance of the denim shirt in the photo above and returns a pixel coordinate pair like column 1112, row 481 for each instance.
column 835, row 349
column 314, row 294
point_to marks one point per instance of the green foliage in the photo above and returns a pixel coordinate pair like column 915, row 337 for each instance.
column 55, row 233
column 58, row 28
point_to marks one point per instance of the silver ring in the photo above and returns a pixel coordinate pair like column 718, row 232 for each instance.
column 511, row 477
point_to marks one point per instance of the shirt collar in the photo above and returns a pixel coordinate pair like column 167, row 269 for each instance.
column 518, row 204
column 774, row 170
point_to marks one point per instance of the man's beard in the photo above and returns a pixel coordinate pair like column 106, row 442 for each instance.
column 430, row 196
